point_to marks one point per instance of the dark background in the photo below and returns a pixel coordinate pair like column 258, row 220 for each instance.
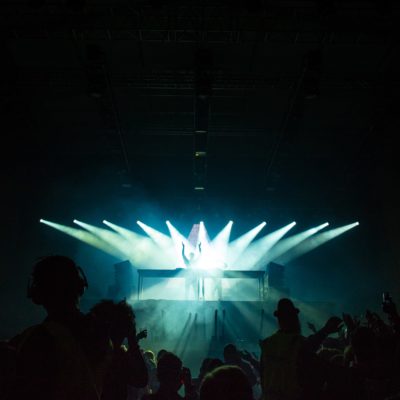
column 100, row 102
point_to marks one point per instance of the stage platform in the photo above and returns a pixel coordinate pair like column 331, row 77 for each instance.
column 202, row 275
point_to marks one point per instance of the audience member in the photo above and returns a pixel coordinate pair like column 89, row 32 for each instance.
column 159, row 354
column 150, row 360
column 234, row 357
column 282, row 352
column 7, row 368
column 208, row 365
column 127, row 366
column 228, row 382
column 96, row 356
column 65, row 356
column 171, row 376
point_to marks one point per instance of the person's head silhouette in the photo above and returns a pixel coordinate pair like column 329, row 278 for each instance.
column 226, row 383
column 231, row 354
column 287, row 314
column 118, row 316
column 169, row 372
column 57, row 284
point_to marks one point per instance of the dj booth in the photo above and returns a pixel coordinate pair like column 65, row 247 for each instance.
column 185, row 273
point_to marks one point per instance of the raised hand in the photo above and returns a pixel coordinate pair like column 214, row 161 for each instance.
column 141, row 335
column 348, row 321
column 388, row 306
column 312, row 327
column 333, row 325
column 186, row 377
column 245, row 355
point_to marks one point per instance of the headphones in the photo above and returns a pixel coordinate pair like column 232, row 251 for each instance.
column 54, row 274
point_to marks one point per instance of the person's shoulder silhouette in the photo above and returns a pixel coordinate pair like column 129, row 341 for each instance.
column 60, row 358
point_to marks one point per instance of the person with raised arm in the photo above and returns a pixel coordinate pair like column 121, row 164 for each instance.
column 193, row 280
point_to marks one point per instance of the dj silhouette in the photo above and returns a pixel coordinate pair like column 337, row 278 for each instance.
column 193, row 279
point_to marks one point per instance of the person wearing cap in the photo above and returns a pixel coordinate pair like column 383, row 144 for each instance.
column 281, row 352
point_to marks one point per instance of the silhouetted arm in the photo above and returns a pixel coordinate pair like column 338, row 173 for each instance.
column 185, row 259
column 190, row 389
column 251, row 360
column 134, row 364
column 331, row 326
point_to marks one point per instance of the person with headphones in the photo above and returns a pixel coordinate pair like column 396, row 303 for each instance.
column 66, row 356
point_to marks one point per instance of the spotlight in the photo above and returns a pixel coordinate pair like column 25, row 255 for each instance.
column 41, row 220
column 167, row 222
column 75, row 221
column 231, row 222
column 138, row 222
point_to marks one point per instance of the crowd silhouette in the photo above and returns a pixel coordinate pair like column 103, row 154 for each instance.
column 98, row 355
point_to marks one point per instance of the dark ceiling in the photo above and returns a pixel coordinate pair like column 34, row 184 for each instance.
column 288, row 103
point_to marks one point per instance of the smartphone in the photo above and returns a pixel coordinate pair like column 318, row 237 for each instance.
column 387, row 303
column 386, row 297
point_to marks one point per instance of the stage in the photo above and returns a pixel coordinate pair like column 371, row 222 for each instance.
column 195, row 329
column 202, row 276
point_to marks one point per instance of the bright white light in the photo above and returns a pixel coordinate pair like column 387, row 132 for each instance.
column 41, row 220
column 284, row 247
column 178, row 239
column 317, row 240
column 214, row 254
column 238, row 246
column 86, row 237
column 257, row 252
column 109, row 224
column 159, row 238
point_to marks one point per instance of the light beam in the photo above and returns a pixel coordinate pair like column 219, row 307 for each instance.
column 316, row 241
column 85, row 237
column 238, row 246
column 254, row 256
